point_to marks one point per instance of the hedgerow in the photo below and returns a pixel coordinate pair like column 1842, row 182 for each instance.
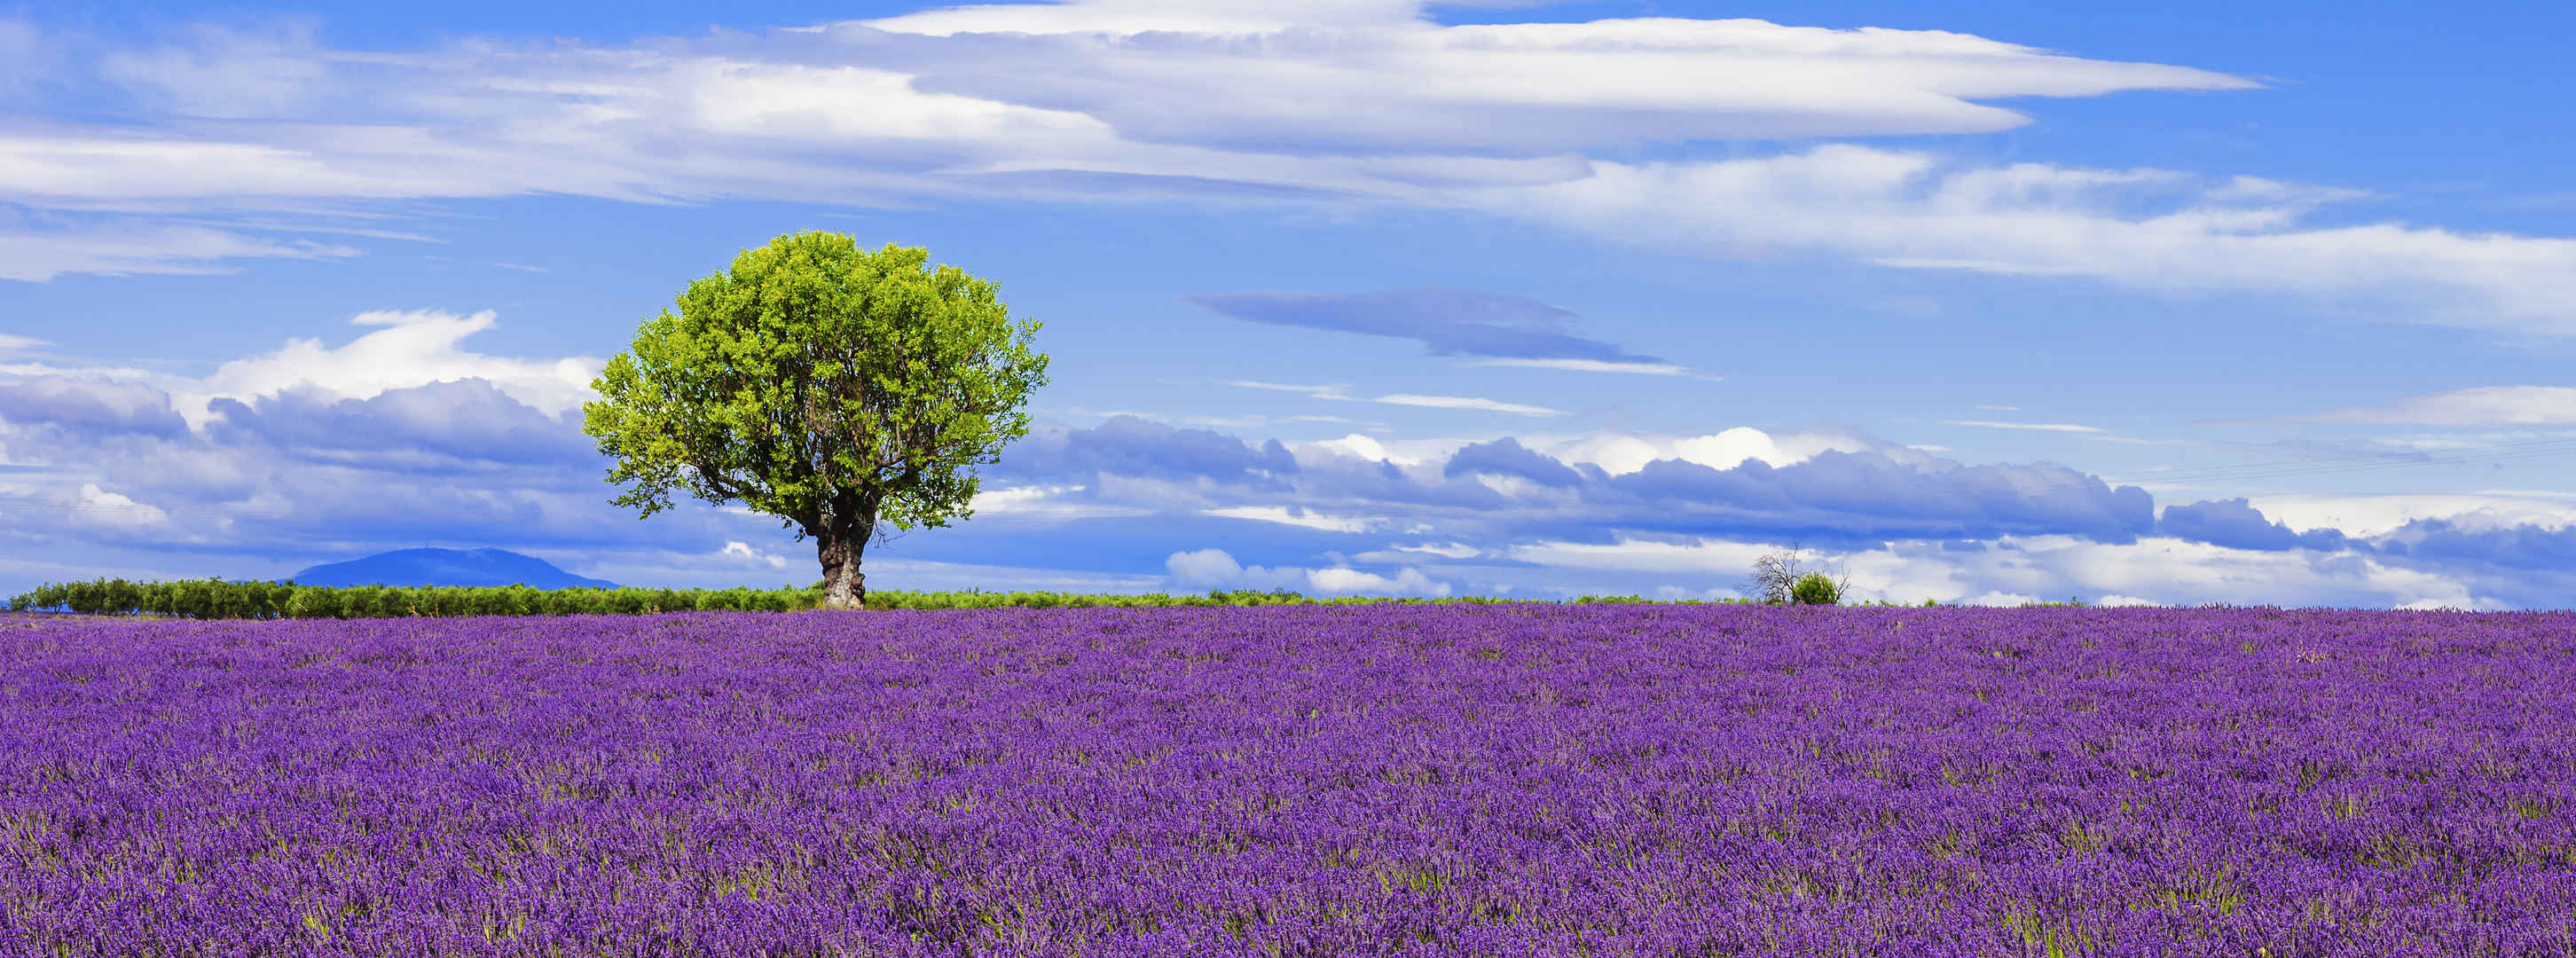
column 220, row 599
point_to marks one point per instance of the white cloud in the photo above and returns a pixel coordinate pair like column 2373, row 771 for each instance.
column 2363, row 514
column 1047, row 504
column 98, row 505
column 1319, row 392
column 2029, row 426
column 1378, row 79
column 1356, row 445
column 1592, row 366
column 1345, row 581
column 1368, row 102
column 743, row 552
column 1338, row 393
column 10, row 342
column 1729, row 448
column 1706, row 556
column 1129, row 18
column 1623, row 453
column 125, row 246
column 2484, row 406
column 2145, row 229
column 404, row 349
column 2013, row 570
column 1285, row 516
column 1466, row 402
column 1616, row 453
column 1453, row 550
column 410, row 348
column 1096, row 99
column 1215, row 569
column 1203, row 567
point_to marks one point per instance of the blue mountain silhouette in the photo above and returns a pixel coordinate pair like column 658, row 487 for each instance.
column 417, row 567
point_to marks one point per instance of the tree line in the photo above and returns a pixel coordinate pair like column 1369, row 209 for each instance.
column 220, row 599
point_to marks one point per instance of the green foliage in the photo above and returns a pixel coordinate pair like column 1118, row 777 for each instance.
column 1815, row 588
column 1642, row 600
column 216, row 599
column 832, row 387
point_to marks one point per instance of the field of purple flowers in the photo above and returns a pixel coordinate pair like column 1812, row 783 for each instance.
column 1357, row 780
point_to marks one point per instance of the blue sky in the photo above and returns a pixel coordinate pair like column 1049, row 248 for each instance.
column 2244, row 303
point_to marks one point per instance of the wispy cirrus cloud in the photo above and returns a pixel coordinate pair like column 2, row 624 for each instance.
column 2152, row 230
column 2024, row 426
column 36, row 248
column 1376, row 78
column 1362, row 103
column 1338, row 393
column 1596, row 366
column 2478, row 407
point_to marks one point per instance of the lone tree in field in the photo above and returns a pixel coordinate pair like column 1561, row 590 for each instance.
column 833, row 387
column 1780, row 577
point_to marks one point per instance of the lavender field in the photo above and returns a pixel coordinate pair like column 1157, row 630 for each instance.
column 1358, row 780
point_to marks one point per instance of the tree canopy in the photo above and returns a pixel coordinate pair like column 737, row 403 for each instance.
column 833, row 387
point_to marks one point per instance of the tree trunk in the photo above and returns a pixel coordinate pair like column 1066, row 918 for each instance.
column 839, row 546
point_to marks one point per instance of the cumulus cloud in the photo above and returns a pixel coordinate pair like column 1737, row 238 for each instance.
column 740, row 551
column 1452, row 322
column 407, row 349
column 1507, row 457
column 460, row 419
column 304, row 473
column 2236, row 524
column 2373, row 515
column 89, row 408
column 95, row 505
column 1875, row 495
column 293, row 463
column 1872, row 493
column 1623, row 453
column 2520, row 547
column 2023, row 569
column 1134, row 446
column 103, row 462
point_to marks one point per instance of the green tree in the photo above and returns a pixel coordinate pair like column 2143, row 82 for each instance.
column 1815, row 588
column 833, row 387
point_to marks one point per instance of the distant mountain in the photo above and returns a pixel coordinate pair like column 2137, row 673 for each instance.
column 446, row 567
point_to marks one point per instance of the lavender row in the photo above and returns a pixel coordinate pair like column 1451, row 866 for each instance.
column 1311, row 780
